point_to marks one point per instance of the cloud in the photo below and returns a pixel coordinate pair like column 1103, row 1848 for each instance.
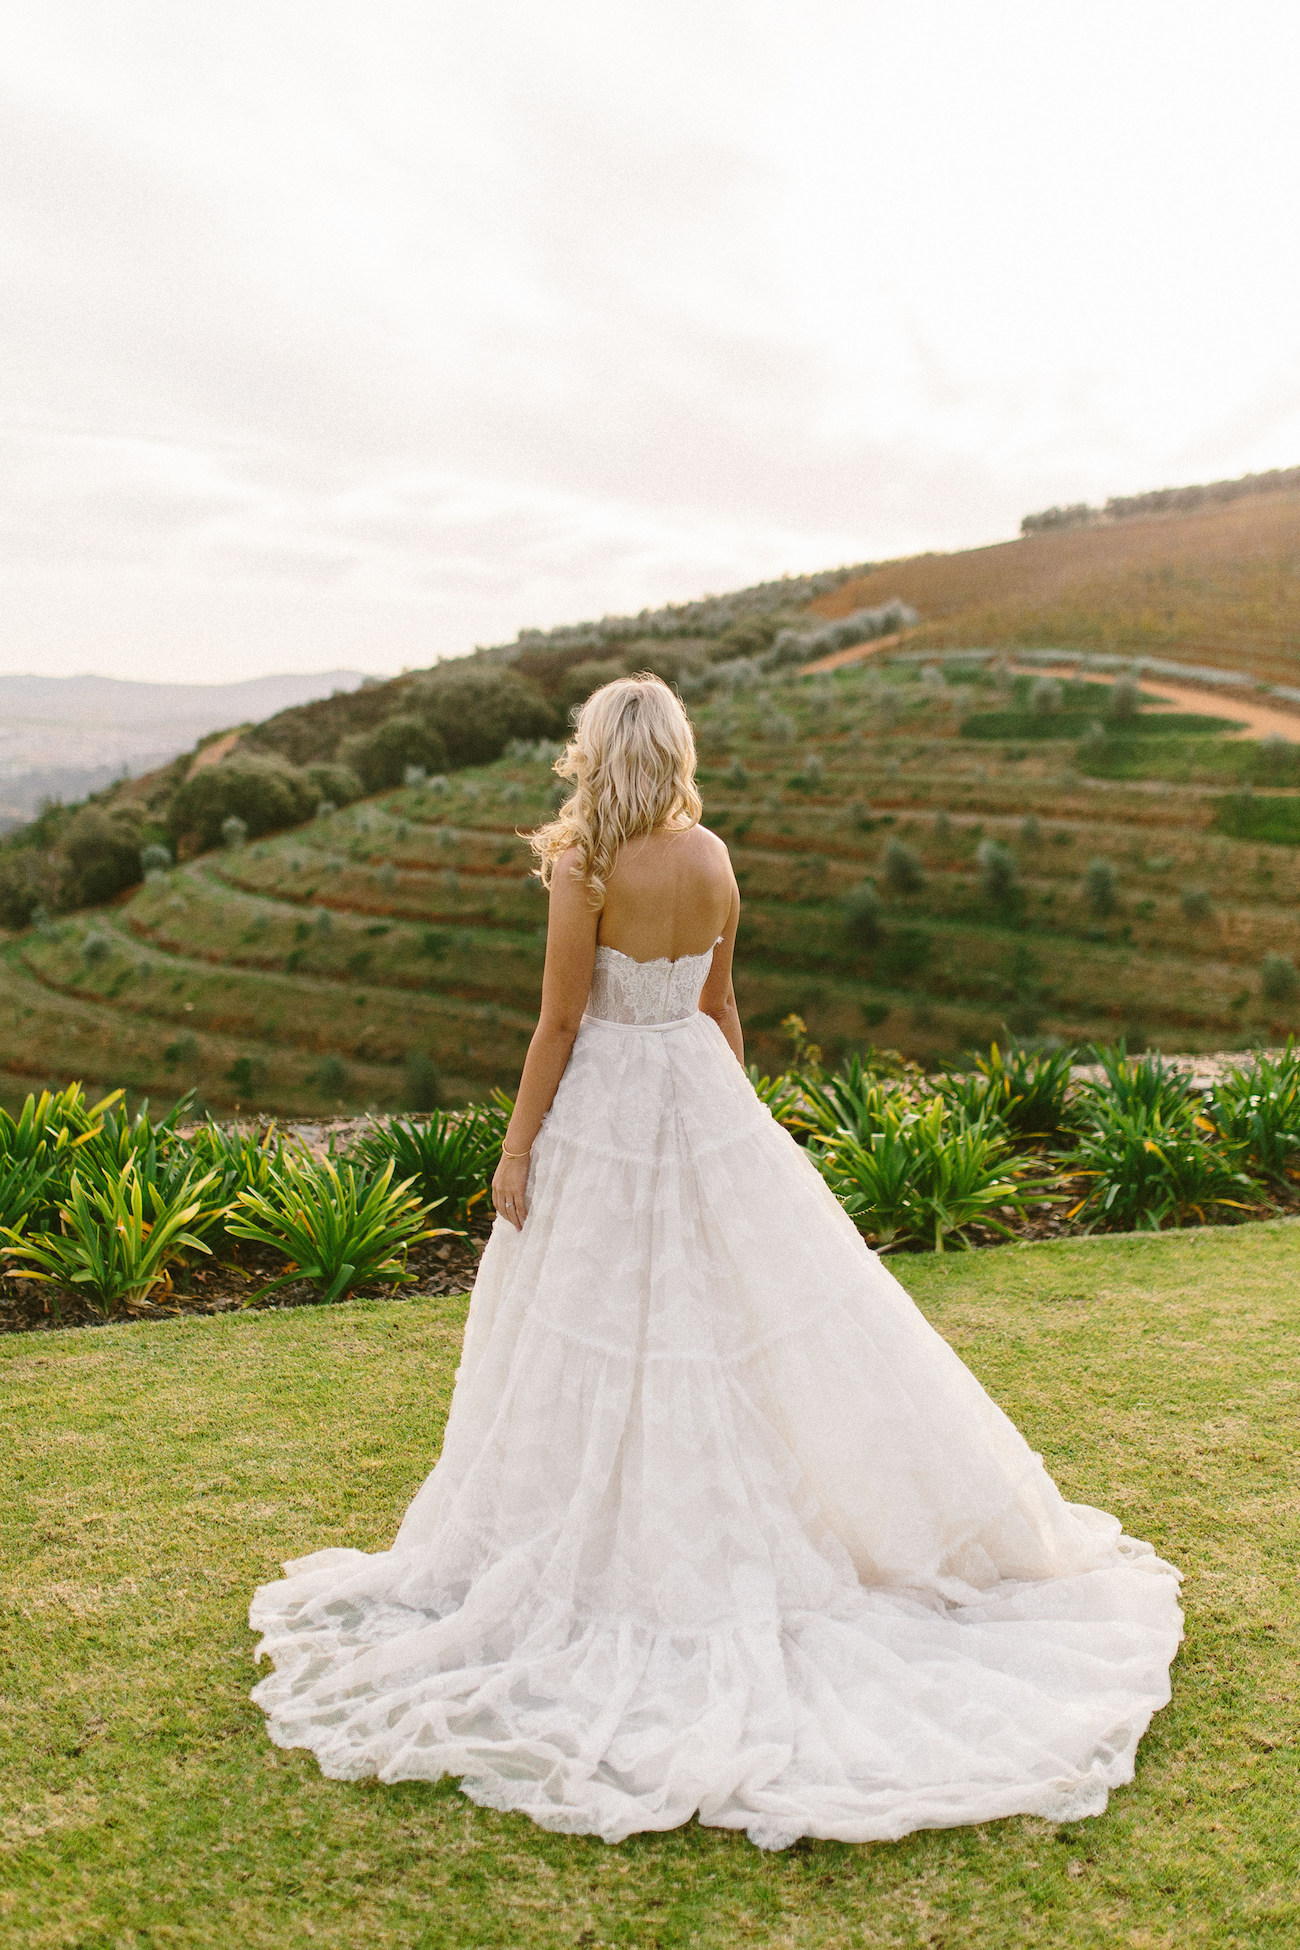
column 342, row 335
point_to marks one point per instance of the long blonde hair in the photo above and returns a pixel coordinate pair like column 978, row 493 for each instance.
column 632, row 761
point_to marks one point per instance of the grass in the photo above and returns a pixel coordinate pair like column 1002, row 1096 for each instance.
column 160, row 1472
column 1262, row 816
column 1191, row 761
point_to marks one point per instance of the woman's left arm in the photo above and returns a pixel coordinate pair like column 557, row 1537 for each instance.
column 718, row 997
column 566, row 984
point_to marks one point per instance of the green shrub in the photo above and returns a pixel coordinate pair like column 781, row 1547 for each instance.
column 1257, row 1108
column 901, row 868
column 811, row 776
column 101, row 849
column 679, row 664
column 266, row 793
column 862, row 914
column 1279, row 757
column 1100, row 888
column 163, row 1161
column 336, row 1225
column 450, row 1158
column 967, row 1093
column 1137, row 1083
column 478, row 709
column 26, row 1188
column 1028, row 1089
column 1195, row 903
column 999, row 874
column 247, row 1074
column 237, row 1160
column 580, row 680
column 783, row 1096
column 20, row 893
column 421, row 1085
column 337, row 784
column 855, row 1099
column 924, row 1175
column 1278, row 978
column 904, row 954
column 1153, row 1164
column 56, row 1121
column 331, row 1074
column 40, row 1147
column 1124, row 702
column 108, row 1249
column 379, row 758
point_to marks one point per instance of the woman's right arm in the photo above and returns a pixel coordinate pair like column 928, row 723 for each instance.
column 570, row 958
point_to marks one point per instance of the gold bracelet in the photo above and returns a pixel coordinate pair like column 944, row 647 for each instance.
column 515, row 1154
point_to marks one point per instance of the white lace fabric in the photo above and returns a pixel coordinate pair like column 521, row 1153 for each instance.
column 720, row 1524
column 646, row 994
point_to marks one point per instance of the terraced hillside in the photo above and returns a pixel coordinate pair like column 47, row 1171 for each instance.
column 357, row 958
column 1216, row 585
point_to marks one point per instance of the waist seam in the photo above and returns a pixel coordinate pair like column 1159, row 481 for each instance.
column 674, row 1022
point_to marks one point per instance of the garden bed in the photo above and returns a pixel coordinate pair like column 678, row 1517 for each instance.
column 1027, row 1146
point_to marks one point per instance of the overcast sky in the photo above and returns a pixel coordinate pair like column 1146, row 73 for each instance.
column 343, row 332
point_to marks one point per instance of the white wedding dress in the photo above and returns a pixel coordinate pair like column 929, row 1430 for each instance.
column 720, row 1525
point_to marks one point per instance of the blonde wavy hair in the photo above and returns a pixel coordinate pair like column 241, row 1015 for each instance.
column 632, row 762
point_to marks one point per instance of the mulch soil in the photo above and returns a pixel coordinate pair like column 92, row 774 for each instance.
column 228, row 1283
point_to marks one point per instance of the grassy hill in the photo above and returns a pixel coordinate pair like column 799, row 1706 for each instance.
column 1216, row 585
column 344, row 962
column 933, row 845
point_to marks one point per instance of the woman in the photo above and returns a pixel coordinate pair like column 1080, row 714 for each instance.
column 721, row 1525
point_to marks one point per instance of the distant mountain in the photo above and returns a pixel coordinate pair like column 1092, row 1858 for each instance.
column 62, row 737
column 118, row 700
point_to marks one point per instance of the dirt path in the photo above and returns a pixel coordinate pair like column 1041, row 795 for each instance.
column 214, row 753
column 1256, row 720
column 854, row 654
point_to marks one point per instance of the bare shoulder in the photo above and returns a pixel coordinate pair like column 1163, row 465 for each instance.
column 567, row 888
column 710, row 843
column 714, row 854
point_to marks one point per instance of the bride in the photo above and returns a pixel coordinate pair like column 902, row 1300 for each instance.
column 721, row 1526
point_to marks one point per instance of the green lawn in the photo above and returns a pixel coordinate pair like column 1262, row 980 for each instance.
column 160, row 1472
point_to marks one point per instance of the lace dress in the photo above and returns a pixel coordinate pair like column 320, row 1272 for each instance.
column 720, row 1524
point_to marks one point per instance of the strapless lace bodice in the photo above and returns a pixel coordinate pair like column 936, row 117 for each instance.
column 623, row 990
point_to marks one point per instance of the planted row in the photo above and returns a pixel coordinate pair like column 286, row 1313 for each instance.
column 119, row 1208
column 1137, row 1145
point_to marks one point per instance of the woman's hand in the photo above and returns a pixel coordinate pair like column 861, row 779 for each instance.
column 509, row 1188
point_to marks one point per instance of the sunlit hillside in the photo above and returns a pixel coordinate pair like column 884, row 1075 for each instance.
column 1218, row 585
column 927, row 854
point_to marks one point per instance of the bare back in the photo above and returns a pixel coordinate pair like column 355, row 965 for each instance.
column 669, row 895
